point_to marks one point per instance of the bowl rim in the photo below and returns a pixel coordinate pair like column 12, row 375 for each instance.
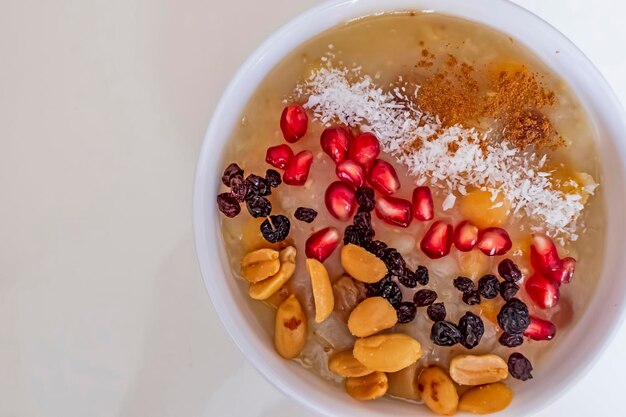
column 204, row 219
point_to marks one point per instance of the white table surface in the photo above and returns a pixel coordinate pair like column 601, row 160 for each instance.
column 103, row 106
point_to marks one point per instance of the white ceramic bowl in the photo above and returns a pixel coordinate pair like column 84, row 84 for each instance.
column 568, row 360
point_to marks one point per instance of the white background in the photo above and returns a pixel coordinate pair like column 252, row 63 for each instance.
column 103, row 106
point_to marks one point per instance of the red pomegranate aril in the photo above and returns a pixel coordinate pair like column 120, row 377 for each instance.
column 278, row 156
column 564, row 274
column 543, row 254
column 321, row 244
column 340, row 200
column 364, row 149
column 297, row 168
column 395, row 211
column 543, row 291
column 494, row 241
column 540, row 329
column 351, row 172
column 335, row 142
column 465, row 236
column 423, row 209
column 294, row 122
column 382, row 176
column 437, row 241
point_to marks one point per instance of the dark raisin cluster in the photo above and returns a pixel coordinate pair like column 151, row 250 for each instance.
column 471, row 295
column 468, row 332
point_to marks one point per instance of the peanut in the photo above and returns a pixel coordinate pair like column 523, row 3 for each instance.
column 260, row 264
column 367, row 387
column 478, row 370
column 268, row 287
column 322, row 289
column 438, row 391
column 387, row 352
column 486, row 399
column 362, row 265
column 344, row 364
column 291, row 328
column 371, row 316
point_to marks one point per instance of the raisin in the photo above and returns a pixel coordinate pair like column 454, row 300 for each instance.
column 424, row 298
column 436, row 312
column 395, row 262
column 273, row 178
column 471, row 297
column 406, row 312
column 275, row 228
column 259, row 206
column 489, row 286
column 363, row 220
column 444, row 333
column 377, row 248
column 513, row 318
column 472, row 330
column 511, row 340
column 232, row 170
column 391, row 292
column 463, row 284
column 257, row 186
column 305, row 214
column 238, row 188
column 365, row 235
column 228, row 205
column 375, row 289
column 509, row 271
column 408, row 280
column 421, row 275
column 520, row 367
column 365, row 198
column 508, row 290
column 351, row 235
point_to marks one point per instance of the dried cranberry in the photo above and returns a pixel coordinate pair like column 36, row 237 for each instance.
column 238, row 188
column 406, row 312
column 509, row 271
column 471, row 297
column 408, row 280
column 444, row 333
column 421, row 275
column 259, row 206
column 513, row 317
column 511, row 340
column 365, row 198
column 391, row 292
column 377, row 247
column 463, row 284
column 273, row 178
column 520, row 367
column 275, row 228
column 232, row 170
column 508, row 290
column 472, row 330
column 424, row 298
column 436, row 312
column 489, row 286
column 257, row 186
column 395, row 262
column 228, row 205
column 305, row 214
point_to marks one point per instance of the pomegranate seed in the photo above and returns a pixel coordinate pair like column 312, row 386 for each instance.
column 351, row 172
column 564, row 274
column 542, row 290
column 540, row 329
column 340, row 200
column 543, row 254
column 335, row 142
column 423, row 209
column 437, row 241
column 297, row 168
column 494, row 241
column 321, row 244
column 293, row 123
column 394, row 211
column 465, row 236
column 278, row 156
column 364, row 149
column 382, row 176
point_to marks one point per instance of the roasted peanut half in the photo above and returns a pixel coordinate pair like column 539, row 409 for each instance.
column 260, row 264
column 438, row 391
column 387, row 352
column 268, row 287
column 344, row 364
column 322, row 289
column 478, row 369
column 371, row 316
column 291, row 329
column 486, row 399
column 367, row 387
column 361, row 264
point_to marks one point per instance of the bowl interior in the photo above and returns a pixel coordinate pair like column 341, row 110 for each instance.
column 580, row 346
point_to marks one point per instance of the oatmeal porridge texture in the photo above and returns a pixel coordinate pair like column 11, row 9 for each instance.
column 412, row 203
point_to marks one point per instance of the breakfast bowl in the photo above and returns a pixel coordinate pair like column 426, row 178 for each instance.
column 568, row 100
